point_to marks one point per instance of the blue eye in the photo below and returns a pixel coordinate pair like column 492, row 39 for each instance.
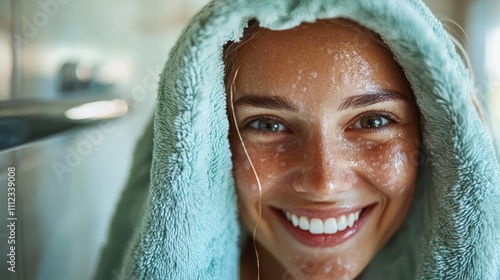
column 268, row 125
column 371, row 122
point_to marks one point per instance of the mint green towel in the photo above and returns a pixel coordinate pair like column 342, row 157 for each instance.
column 190, row 228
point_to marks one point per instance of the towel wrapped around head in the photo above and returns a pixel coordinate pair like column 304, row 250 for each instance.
column 190, row 228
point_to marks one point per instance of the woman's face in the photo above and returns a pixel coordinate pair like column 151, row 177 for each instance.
column 331, row 127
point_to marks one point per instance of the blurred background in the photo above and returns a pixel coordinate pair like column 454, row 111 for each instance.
column 77, row 88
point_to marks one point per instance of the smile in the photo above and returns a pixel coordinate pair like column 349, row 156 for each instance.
column 323, row 228
column 327, row 226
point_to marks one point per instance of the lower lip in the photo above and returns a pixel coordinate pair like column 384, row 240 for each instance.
column 324, row 240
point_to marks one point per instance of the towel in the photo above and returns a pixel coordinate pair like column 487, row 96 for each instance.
column 189, row 227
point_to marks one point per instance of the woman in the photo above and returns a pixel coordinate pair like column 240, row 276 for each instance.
column 345, row 161
column 330, row 127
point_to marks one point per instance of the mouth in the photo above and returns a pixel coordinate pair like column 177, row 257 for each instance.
column 320, row 229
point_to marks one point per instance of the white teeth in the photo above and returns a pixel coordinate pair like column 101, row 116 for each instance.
column 330, row 226
column 303, row 223
column 318, row 226
column 350, row 220
column 295, row 220
column 342, row 223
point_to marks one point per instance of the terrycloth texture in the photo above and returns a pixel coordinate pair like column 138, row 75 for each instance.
column 190, row 226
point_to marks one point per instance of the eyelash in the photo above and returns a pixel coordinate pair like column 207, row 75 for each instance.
column 389, row 115
column 247, row 124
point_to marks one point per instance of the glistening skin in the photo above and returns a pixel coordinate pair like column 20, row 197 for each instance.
column 328, row 120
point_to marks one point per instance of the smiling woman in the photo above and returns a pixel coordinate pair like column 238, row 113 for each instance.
column 349, row 147
column 327, row 120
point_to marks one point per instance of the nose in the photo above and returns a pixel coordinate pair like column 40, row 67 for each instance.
column 324, row 172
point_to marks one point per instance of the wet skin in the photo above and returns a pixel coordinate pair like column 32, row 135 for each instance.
column 330, row 125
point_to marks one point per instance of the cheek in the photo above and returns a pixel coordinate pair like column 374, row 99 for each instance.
column 390, row 167
column 267, row 166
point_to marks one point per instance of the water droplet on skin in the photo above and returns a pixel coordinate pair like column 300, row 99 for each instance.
column 262, row 159
column 283, row 163
column 253, row 187
column 304, row 89
column 293, row 85
column 280, row 148
column 314, row 74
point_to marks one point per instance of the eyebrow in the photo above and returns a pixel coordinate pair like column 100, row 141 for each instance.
column 373, row 97
column 358, row 101
column 269, row 102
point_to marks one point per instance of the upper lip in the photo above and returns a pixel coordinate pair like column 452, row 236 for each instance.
column 323, row 213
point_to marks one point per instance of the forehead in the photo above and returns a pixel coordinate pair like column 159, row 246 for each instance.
column 330, row 52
